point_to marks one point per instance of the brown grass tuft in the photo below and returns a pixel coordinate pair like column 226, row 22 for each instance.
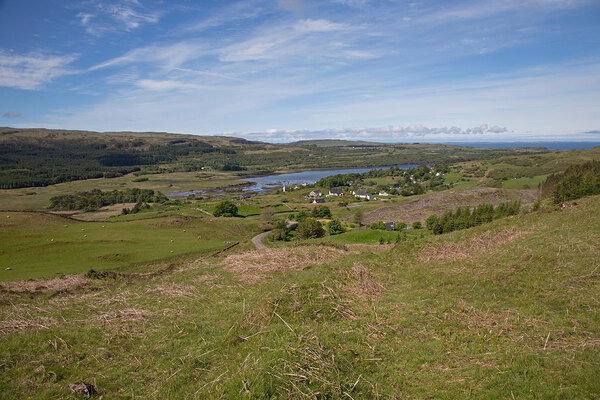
column 458, row 251
column 62, row 283
column 17, row 325
column 121, row 316
column 362, row 282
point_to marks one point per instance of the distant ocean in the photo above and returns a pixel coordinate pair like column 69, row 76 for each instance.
column 548, row 145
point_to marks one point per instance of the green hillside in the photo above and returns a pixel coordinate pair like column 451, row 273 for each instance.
column 504, row 310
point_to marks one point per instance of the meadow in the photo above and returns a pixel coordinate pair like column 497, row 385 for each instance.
column 37, row 245
column 504, row 310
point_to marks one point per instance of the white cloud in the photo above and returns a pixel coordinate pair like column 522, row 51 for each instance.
column 318, row 25
column 117, row 16
column 31, row 71
column 386, row 133
column 167, row 57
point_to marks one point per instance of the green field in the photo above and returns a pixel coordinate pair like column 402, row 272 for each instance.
column 38, row 245
column 505, row 310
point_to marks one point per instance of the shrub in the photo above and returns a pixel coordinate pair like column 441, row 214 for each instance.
column 400, row 226
column 310, row 228
column 431, row 221
column 379, row 225
column 225, row 209
column 321, row 212
column 417, row 225
column 334, row 227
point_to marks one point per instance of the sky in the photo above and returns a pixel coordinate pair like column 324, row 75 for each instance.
column 285, row 70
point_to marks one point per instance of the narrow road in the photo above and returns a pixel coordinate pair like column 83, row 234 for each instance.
column 257, row 240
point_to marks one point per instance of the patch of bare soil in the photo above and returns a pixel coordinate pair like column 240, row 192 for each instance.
column 62, row 283
column 458, row 251
column 439, row 202
column 251, row 266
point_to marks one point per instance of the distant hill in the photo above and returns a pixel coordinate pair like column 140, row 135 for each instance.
column 42, row 157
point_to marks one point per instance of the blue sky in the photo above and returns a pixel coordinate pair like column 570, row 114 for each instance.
column 297, row 69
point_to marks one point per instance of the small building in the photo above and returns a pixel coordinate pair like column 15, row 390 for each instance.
column 318, row 200
column 390, row 226
column 383, row 193
column 362, row 193
column 335, row 192
column 315, row 193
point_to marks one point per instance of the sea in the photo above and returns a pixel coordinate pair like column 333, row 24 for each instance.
column 551, row 145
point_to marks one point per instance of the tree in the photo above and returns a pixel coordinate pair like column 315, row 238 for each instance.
column 358, row 217
column 302, row 215
column 379, row 225
column 417, row 225
column 431, row 221
column 310, row 228
column 321, row 212
column 225, row 209
column 334, row 227
column 400, row 226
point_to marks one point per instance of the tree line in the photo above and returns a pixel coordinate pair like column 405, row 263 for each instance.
column 464, row 217
column 96, row 198
column 577, row 181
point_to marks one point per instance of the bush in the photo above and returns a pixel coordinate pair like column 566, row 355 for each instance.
column 431, row 221
column 417, row 225
column 379, row 225
column 225, row 209
column 310, row 228
column 401, row 226
column 321, row 212
column 334, row 227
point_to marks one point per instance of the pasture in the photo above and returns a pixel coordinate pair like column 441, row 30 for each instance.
column 36, row 245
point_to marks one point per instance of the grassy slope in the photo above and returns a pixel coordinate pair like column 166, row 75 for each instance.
column 41, row 245
column 509, row 309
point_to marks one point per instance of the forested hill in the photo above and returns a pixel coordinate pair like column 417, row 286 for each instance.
column 42, row 157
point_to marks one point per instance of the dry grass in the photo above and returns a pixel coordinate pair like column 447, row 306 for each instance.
column 174, row 290
column 361, row 282
column 252, row 266
column 102, row 214
column 18, row 325
column 62, row 283
column 123, row 316
column 358, row 248
column 439, row 202
column 459, row 251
